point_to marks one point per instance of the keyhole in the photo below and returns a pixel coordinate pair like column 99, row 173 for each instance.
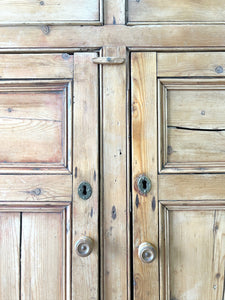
column 84, row 190
column 144, row 184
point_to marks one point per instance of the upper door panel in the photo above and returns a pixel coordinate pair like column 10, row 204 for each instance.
column 178, row 11
column 50, row 12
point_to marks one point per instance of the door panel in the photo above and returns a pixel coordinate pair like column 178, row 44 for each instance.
column 50, row 12
column 190, row 255
column 38, row 168
column 181, row 11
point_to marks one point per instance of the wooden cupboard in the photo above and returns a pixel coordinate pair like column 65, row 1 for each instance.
column 112, row 150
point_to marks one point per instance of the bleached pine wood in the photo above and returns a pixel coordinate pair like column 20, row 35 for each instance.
column 49, row 11
column 114, row 210
column 191, row 238
column 35, row 38
column 43, row 256
column 144, row 161
column 114, row 12
column 34, row 66
column 191, row 64
column 10, row 256
column 165, row 11
column 36, row 188
column 85, row 276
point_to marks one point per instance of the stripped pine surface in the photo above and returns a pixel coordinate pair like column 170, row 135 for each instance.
column 144, row 161
column 85, row 275
column 115, row 262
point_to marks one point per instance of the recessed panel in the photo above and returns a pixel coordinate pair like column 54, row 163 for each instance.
column 192, row 252
column 181, row 11
column 192, row 124
column 34, row 125
column 49, row 11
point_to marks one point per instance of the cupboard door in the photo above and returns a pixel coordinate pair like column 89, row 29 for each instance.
column 182, row 215
column 41, row 215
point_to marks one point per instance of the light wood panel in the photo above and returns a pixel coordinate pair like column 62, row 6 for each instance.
column 39, row 39
column 35, row 188
column 43, row 256
column 191, row 64
column 192, row 260
column 49, row 11
column 85, row 276
column 191, row 187
column 144, row 161
column 114, row 12
column 36, row 66
column 114, row 178
column 10, row 255
column 165, row 11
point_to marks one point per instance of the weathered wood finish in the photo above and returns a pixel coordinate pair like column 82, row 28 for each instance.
column 181, row 11
column 144, row 161
column 50, row 12
column 85, row 275
column 114, row 210
column 10, row 255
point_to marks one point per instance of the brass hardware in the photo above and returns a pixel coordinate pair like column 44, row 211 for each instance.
column 84, row 246
column 143, row 185
column 84, row 190
column 108, row 60
column 146, row 252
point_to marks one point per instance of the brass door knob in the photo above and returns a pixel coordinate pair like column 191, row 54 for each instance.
column 146, row 252
column 84, row 246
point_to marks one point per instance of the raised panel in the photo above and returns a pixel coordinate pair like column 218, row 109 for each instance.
column 191, row 121
column 178, row 11
column 50, row 12
column 192, row 251
column 35, row 124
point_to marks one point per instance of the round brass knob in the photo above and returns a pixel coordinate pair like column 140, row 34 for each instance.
column 84, row 246
column 146, row 252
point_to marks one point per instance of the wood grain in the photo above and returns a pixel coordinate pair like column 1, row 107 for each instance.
column 190, row 64
column 85, row 168
column 36, row 188
column 151, row 11
column 114, row 12
column 191, row 187
column 193, row 237
column 36, row 66
column 114, row 178
column 42, row 256
column 38, row 12
column 35, row 38
column 144, row 161
column 10, row 255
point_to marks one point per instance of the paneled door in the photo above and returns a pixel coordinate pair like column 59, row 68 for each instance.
column 48, row 111
column 178, row 164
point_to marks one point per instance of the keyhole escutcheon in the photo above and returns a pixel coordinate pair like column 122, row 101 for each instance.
column 84, row 190
column 143, row 185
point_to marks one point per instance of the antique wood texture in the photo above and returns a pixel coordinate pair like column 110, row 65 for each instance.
column 192, row 256
column 10, row 255
column 114, row 12
column 35, row 116
column 164, row 11
column 51, row 38
column 114, row 178
column 190, row 64
column 85, row 277
column 191, row 124
column 49, row 11
column 144, row 161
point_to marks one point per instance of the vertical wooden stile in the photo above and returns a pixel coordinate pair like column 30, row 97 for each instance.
column 144, row 161
column 85, row 273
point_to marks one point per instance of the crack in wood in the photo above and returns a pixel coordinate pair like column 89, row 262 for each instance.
column 197, row 129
